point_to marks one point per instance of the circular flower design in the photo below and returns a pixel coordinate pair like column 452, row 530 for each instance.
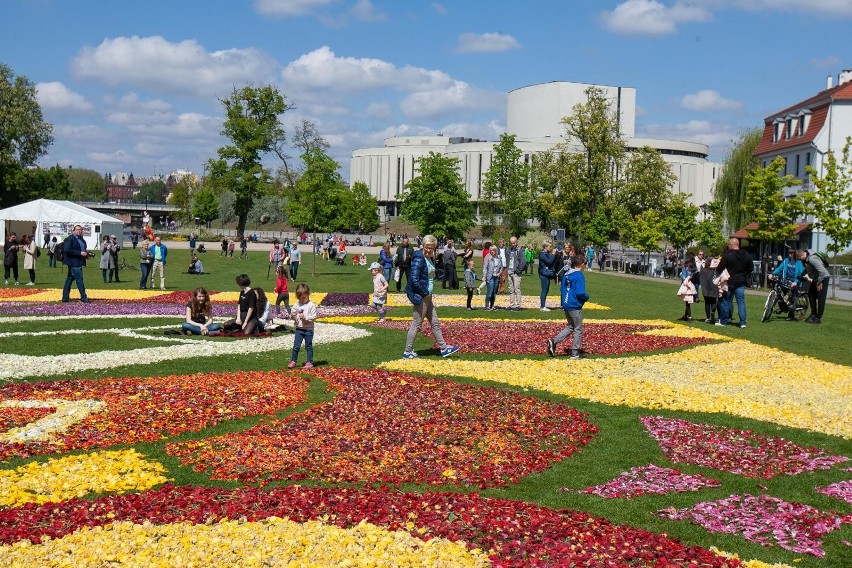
column 395, row 428
column 102, row 413
column 513, row 533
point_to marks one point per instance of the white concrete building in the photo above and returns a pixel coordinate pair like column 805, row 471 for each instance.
column 805, row 133
column 533, row 116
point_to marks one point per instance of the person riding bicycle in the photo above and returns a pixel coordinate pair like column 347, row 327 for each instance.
column 790, row 271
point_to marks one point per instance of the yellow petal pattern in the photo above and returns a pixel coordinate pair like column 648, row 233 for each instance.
column 738, row 377
column 76, row 476
column 271, row 543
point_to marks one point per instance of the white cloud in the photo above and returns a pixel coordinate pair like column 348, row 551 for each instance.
column 822, row 7
column 150, row 150
column 457, row 98
column 380, row 111
column 364, row 11
column 713, row 134
column 56, row 96
column 116, row 157
column 651, row 18
column 655, row 18
column 322, row 69
column 708, row 99
column 184, row 67
column 439, row 8
column 485, row 43
column 831, row 62
column 286, row 8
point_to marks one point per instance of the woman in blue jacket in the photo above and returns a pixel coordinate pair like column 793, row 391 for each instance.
column 386, row 260
column 421, row 279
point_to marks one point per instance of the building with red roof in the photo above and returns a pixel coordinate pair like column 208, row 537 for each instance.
column 804, row 133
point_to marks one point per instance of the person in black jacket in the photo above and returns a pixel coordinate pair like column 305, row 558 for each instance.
column 404, row 252
column 739, row 265
column 419, row 291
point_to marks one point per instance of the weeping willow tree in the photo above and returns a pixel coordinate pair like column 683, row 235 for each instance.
column 731, row 185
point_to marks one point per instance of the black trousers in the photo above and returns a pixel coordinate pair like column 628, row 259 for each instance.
column 403, row 271
column 817, row 298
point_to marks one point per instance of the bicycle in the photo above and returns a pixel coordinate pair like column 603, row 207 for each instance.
column 782, row 299
column 124, row 264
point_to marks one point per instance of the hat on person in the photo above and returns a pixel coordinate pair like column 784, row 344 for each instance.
column 113, row 237
column 375, row 266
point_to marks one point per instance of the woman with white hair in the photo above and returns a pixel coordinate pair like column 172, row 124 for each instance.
column 421, row 279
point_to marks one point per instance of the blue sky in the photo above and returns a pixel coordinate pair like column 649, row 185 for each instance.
column 135, row 86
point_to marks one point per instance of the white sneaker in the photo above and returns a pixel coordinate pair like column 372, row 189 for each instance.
column 544, row 309
column 30, row 284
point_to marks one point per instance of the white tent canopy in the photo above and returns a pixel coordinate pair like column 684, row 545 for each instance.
column 56, row 218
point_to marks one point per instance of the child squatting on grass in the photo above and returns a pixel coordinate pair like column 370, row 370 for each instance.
column 380, row 290
column 304, row 313
column 573, row 295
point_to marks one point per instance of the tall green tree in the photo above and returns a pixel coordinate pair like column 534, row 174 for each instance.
column 544, row 185
column 506, row 186
column 359, row 211
column 766, row 204
column 732, row 183
column 709, row 231
column 646, row 183
column 253, row 125
column 205, row 208
column 35, row 183
column 679, row 223
column 182, row 196
column 831, row 203
column 151, row 192
column 312, row 204
column 86, row 185
column 435, row 200
column 24, row 134
column 644, row 232
column 594, row 152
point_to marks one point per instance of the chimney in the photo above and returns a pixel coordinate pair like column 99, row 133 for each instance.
column 828, row 83
column 845, row 76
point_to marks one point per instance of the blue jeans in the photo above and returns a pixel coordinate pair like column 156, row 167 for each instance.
column 144, row 268
column 491, row 291
column 308, row 336
column 196, row 329
column 75, row 274
column 726, row 304
column 52, row 261
column 294, row 269
column 545, row 288
column 387, row 274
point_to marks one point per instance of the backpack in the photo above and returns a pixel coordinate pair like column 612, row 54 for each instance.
column 566, row 289
column 824, row 258
column 58, row 253
column 38, row 252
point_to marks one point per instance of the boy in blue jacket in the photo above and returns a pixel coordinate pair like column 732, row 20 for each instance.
column 574, row 295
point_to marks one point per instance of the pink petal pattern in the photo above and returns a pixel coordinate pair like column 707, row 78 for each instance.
column 650, row 479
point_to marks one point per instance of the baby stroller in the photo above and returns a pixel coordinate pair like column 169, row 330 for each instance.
column 341, row 258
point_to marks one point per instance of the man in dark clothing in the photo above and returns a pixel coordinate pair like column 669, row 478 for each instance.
column 739, row 265
column 450, row 278
column 74, row 256
column 404, row 252
column 818, row 290
column 10, row 257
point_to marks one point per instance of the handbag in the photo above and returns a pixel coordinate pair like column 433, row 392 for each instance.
column 396, row 274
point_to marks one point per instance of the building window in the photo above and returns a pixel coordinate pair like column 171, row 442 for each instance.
column 808, row 159
column 801, row 125
column 763, row 165
column 797, row 165
column 777, row 135
column 789, row 129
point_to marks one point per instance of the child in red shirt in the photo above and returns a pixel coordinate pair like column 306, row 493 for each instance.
column 282, row 290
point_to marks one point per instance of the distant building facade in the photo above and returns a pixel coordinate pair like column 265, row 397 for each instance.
column 804, row 134
column 121, row 187
column 533, row 116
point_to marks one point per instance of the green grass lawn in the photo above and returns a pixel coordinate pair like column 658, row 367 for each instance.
column 621, row 444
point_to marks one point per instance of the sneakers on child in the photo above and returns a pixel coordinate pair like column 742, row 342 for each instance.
column 308, row 365
column 292, row 365
column 449, row 350
column 551, row 348
column 410, row 355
